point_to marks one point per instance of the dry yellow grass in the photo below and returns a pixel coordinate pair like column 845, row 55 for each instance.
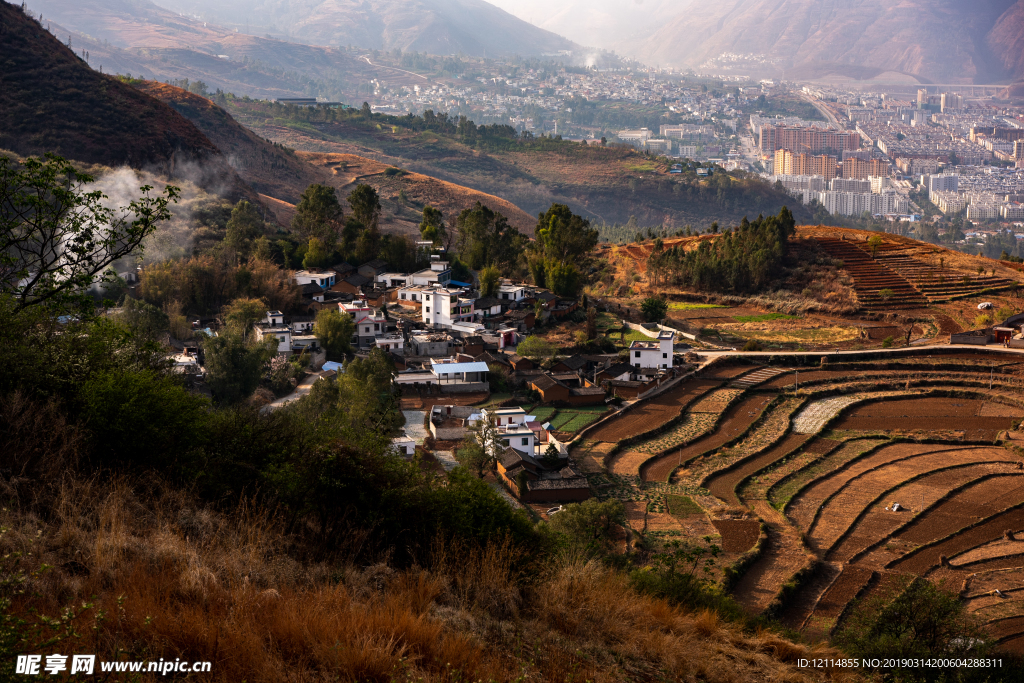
column 180, row 581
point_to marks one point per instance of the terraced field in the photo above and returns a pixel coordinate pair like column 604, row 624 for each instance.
column 822, row 468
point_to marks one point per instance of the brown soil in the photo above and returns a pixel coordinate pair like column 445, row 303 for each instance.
column 844, row 589
column 841, row 510
column 805, row 503
column 951, row 518
column 798, row 610
column 730, row 371
column 738, row 535
column 652, row 413
column 783, row 555
column 414, row 402
column 919, row 495
column 723, row 486
column 733, row 423
column 926, row 414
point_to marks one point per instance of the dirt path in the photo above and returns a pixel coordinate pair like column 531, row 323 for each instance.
column 782, row 557
column 736, row 421
column 723, row 486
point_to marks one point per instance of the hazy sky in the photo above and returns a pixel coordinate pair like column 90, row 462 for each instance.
column 598, row 23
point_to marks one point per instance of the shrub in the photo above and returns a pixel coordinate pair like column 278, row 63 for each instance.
column 887, row 343
column 886, row 294
column 654, row 309
column 752, row 345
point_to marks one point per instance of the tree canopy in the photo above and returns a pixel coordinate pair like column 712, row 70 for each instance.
column 741, row 260
column 319, row 214
column 486, row 239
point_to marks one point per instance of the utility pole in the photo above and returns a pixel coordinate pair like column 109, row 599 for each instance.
column 797, row 382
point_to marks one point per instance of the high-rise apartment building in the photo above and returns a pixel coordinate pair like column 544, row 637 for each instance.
column 790, row 163
column 858, row 168
column 808, row 140
column 1018, row 149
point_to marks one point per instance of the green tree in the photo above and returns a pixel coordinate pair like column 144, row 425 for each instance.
column 923, row 620
column 563, row 279
column 536, row 348
column 563, row 236
column 244, row 227
column 874, row 242
column 234, row 366
column 57, row 239
column 654, row 309
column 365, row 205
column 472, row 456
column 589, row 523
column 591, row 329
column 243, row 314
column 142, row 319
column 485, row 238
column 334, row 330
column 490, row 278
column 317, row 255
column 319, row 214
column 433, row 227
column 142, row 417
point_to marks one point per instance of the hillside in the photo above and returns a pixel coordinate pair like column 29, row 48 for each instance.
column 943, row 42
column 51, row 101
column 151, row 42
column 605, row 184
column 441, row 27
column 270, row 169
column 281, row 174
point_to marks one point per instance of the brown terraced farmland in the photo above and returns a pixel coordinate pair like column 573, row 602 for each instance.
column 819, row 471
column 734, row 422
column 652, row 414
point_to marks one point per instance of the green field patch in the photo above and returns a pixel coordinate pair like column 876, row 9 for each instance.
column 682, row 506
column 764, row 317
column 575, row 420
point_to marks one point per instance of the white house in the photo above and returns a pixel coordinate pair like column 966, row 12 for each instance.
column 652, row 354
column 511, row 292
column 512, row 428
column 438, row 274
column 394, row 279
column 442, row 307
column 369, row 321
column 274, row 318
column 282, row 332
column 324, row 278
column 404, row 444
column 390, row 342
column 412, row 293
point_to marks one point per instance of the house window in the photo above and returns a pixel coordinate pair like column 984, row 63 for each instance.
column 526, row 441
column 505, row 441
column 403, row 296
column 636, row 365
column 664, row 355
column 636, row 354
column 367, row 330
column 428, row 309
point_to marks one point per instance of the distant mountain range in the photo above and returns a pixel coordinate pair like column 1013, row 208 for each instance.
column 940, row 41
column 440, row 27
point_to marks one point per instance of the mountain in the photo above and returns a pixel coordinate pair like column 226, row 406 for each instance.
column 51, row 101
column 137, row 37
column 938, row 41
column 270, row 169
column 440, row 27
